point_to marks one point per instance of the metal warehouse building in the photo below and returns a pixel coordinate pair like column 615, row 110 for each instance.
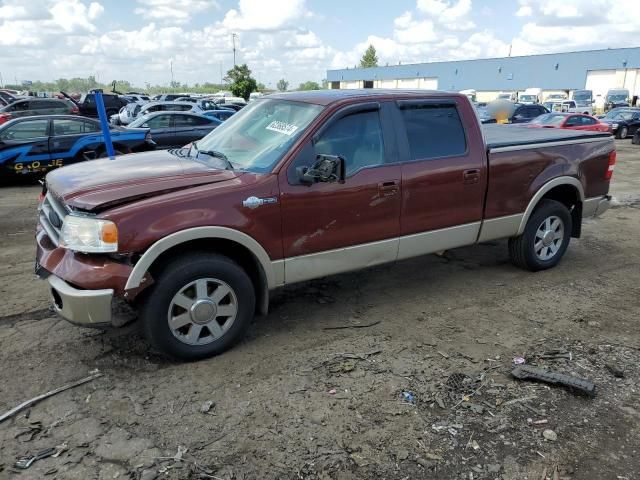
column 597, row 70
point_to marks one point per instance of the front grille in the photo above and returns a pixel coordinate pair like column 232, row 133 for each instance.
column 51, row 216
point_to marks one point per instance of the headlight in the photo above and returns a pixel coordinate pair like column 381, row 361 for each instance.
column 89, row 235
column 614, row 125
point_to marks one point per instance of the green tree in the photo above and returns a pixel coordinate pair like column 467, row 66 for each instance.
column 241, row 81
column 282, row 85
column 370, row 58
column 309, row 86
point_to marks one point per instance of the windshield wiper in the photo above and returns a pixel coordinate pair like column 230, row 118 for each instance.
column 212, row 153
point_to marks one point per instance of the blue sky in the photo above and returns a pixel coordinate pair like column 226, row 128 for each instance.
column 138, row 40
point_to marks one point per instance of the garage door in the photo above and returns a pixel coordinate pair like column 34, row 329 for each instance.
column 386, row 84
column 354, row 84
column 428, row 83
column 599, row 81
column 408, row 83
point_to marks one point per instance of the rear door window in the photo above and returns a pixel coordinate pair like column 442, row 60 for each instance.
column 26, row 130
column 573, row 121
column 67, row 126
column 190, row 121
column 161, row 121
column 433, row 131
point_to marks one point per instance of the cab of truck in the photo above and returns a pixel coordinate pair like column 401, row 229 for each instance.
column 617, row 98
column 530, row 96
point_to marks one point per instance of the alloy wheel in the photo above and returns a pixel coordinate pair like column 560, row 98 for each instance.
column 202, row 311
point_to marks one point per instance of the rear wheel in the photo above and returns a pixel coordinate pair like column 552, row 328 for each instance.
column 622, row 132
column 545, row 238
column 200, row 305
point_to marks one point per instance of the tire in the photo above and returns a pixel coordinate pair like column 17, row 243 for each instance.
column 522, row 249
column 103, row 154
column 636, row 138
column 622, row 132
column 198, row 285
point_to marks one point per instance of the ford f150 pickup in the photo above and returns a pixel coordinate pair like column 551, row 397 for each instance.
column 298, row 186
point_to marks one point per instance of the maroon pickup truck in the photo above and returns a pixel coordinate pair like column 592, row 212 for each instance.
column 298, row 186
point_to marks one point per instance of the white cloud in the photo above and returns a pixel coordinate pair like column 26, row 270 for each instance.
column 174, row 11
column 554, row 26
column 45, row 22
column 434, row 30
column 24, row 10
column 73, row 16
column 263, row 15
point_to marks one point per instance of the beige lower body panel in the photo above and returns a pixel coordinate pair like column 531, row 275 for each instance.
column 501, row 227
column 437, row 240
column 316, row 265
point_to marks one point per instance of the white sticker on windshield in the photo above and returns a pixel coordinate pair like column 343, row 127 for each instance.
column 282, row 127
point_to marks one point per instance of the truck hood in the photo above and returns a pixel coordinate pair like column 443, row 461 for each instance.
column 99, row 184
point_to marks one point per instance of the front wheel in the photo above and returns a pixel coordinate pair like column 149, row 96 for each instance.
column 200, row 305
column 545, row 238
column 622, row 132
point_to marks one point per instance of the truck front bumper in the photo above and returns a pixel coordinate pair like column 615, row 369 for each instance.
column 595, row 206
column 82, row 307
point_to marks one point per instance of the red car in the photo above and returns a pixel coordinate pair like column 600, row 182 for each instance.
column 572, row 121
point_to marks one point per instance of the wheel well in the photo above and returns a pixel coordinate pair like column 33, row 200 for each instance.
column 116, row 146
column 238, row 253
column 569, row 196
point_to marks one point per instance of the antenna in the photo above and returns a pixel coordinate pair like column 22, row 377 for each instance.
column 233, row 39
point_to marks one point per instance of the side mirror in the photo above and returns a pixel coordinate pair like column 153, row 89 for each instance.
column 327, row 168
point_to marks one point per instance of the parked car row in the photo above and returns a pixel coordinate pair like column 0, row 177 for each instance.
column 38, row 134
column 39, row 143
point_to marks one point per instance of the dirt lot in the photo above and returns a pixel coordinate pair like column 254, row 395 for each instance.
column 299, row 400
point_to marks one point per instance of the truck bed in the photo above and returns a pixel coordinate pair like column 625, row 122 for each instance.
column 512, row 136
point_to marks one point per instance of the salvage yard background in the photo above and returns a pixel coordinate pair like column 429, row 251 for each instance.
column 301, row 399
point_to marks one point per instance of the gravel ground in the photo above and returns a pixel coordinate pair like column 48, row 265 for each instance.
column 424, row 393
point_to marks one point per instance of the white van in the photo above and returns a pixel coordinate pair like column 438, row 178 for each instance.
column 530, row 96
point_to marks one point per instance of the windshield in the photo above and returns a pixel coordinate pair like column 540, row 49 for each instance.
column 528, row 98
column 619, row 115
column 548, row 119
column 255, row 138
column 618, row 97
column 504, row 95
column 582, row 97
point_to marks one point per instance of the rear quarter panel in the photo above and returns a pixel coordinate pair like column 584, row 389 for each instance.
column 515, row 176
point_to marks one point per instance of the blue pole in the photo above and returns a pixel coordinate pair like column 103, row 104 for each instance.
column 104, row 123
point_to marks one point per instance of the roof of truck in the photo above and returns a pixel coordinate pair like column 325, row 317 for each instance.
column 516, row 137
column 327, row 97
